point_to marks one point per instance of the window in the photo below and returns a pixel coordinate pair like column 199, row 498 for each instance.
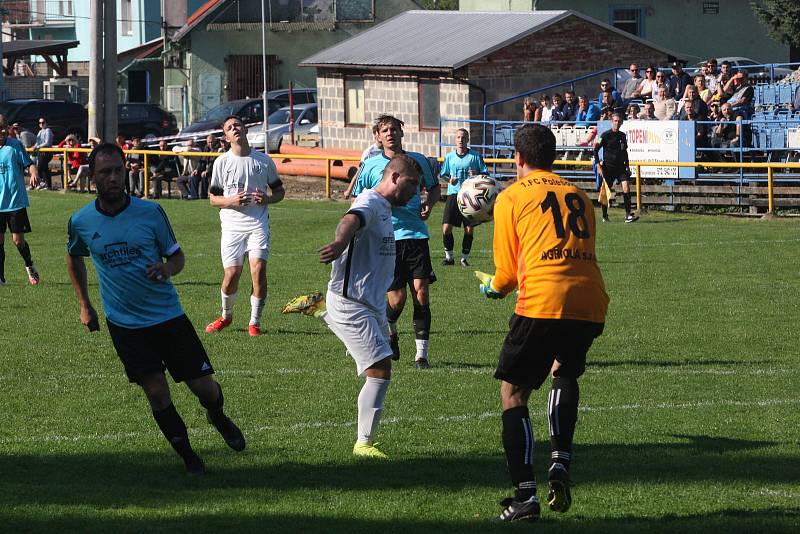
column 310, row 115
column 354, row 101
column 355, row 10
column 126, row 18
column 628, row 19
column 429, row 104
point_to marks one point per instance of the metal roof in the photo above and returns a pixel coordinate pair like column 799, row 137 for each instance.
column 443, row 39
column 21, row 47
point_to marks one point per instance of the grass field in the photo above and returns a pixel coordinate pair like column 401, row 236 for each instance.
column 689, row 407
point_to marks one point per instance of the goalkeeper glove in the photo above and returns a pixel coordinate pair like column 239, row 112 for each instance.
column 486, row 286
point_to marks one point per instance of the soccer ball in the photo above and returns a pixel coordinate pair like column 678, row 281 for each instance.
column 476, row 198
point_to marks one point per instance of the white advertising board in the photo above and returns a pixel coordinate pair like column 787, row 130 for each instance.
column 653, row 141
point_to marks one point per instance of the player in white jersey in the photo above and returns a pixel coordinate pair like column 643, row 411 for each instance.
column 239, row 188
column 363, row 256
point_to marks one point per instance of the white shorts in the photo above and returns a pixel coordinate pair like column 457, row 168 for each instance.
column 363, row 331
column 234, row 245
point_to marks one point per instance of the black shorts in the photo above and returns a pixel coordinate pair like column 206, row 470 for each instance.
column 16, row 221
column 413, row 261
column 612, row 174
column 171, row 345
column 452, row 215
column 532, row 344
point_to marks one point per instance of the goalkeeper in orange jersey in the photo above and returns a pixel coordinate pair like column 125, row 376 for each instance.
column 544, row 246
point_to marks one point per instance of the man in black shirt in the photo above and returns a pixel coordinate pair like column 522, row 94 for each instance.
column 615, row 166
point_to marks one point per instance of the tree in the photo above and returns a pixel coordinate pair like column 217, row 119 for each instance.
column 782, row 19
column 448, row 5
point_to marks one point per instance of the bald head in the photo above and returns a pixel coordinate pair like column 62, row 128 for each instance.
column 400, row 180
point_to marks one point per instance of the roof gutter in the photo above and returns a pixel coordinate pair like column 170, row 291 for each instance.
column 394, row 68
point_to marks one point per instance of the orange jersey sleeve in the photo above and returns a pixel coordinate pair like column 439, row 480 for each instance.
column 544, row 244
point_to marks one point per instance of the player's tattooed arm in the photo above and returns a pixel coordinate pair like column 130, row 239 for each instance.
column 77, row 275
column 345, row 231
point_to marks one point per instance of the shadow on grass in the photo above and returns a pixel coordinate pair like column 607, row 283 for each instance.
column 325, row 518
column 154, row 478
column 667, row 363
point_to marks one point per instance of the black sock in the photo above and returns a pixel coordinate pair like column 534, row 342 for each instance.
column 562, row 411
column 214, row 408
column 466, row 244
column 422, row 321
column 449, row 241
column 174, row 429
column 25, row 252
column 2, row 262
column 392, row 315
column 626, row 198
column 605, row 210
column 518, row 444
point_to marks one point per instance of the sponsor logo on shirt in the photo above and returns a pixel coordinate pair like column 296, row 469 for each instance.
column 118, row 254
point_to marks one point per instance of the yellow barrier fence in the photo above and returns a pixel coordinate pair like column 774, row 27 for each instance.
column 769, row 166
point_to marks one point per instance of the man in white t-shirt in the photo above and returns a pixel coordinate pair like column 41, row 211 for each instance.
column 239, row 189
column 354, row 308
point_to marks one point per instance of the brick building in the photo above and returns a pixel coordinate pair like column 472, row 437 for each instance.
column 425, row 65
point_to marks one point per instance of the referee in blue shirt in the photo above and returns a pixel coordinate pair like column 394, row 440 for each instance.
column 128, row 238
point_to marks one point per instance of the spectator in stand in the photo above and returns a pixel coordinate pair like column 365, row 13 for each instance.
column 528, row 110
column 609, row 105
column 661, row 79
column 714, row 113
column 135, row 165
column 44, row 139
column 558, row 103
column 546, row 108
column 648, row 113
column 605, row 86
column 164, row 168
column 120, row 141
column 705, row 92
column 693, row 96
column 796, row 100
column 709, row 72
column 191, row 168
column 569, row 110
column 200, row 182
column 688, row 113
column 632, row 84
column 725, row 75
column 726, row 132
column 665, row 108
column 83, row 178
column 26, row 137
column 647, row 86
column 73, row 161
column 678, row 81
column 741, row 99
column 633, row 112
column 587, row 113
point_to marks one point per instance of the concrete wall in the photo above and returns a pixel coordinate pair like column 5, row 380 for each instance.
column 395, row 95
column 679, row 25
column 32, row 86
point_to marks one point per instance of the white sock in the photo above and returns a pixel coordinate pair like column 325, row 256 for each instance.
column 392, row 327
column 370, row 407
column 256, row 308
column 422, row 349
column 227, row 304
column 464, row 257
column 448, row 254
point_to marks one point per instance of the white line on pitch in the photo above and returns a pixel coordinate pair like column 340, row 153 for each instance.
column 311, row 425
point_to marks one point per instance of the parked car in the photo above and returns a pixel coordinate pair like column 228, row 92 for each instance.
column 145, row 121
column 755, row 70
column 249, row 109
column 62, row 117
column 278, row 125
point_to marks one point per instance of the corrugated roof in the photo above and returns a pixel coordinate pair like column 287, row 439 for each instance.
column 37, row 47
column 197, row 17
column 443, row 39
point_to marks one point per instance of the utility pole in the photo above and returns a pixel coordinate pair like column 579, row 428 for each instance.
column 110, row 70
column 95, row 107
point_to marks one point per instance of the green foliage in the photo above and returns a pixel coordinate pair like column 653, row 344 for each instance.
column 688, row 416
column 782, row 19
column 447, row 5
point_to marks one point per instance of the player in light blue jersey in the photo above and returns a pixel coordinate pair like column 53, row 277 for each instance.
column 14, row 201
column 458, row 166
column 128, row 239
column 413, row 267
